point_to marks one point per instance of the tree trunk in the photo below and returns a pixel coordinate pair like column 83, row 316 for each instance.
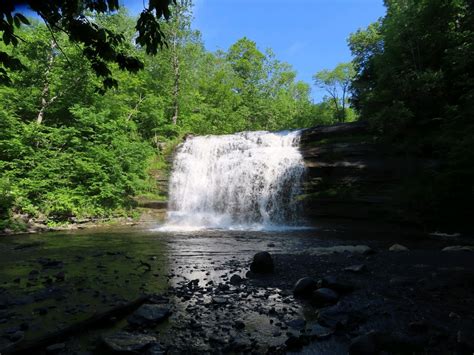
column 45, row 100
column 176, row 72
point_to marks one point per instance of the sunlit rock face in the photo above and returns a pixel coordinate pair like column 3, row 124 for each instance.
column 248, row 180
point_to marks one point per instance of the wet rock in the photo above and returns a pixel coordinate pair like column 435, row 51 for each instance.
column 294, row 342
column 358, row 249
column 240, row 344
column 336, row 285
column 304, row 287
column 324, row 296
column 271, row 245
column 297, row 324
column 356, row 268
column 5, row 344
column 465, row 341
column 219, row 300
column 459, row 248
column 374, row 342
column 128, row 342
column 149, row 314
column 398, row 247
column 316, row 330
column 333, row 317
column 155, row 349
column 55, row 348
column 400, row 281
column 60, row 276
column 454, row 315
column 16, row 336
column 419, row 327
column 235, row 279
column 262, row 263
column 364, row 345
column 239, row 324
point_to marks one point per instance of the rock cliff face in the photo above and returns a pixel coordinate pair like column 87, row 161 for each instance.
column 352, row 176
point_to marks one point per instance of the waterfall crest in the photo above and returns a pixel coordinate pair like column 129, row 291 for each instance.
column 247, row 180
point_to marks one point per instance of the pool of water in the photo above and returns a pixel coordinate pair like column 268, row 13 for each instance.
column 52, row 280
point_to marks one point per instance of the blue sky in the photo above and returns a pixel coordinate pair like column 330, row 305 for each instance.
column 311, row 35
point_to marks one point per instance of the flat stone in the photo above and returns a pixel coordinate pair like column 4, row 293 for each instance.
column 459, row 248
column 359, row 249
column 155, row 349
column 55, row 348
column 149, row 314
column 128, row 342
column 318, row 331
column 219, row 300
column 398, row 247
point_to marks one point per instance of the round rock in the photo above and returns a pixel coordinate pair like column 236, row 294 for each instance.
column 304, row 287
column 262, row 263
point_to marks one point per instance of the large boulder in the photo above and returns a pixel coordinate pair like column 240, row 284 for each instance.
column 304, row 287
column 262, row 263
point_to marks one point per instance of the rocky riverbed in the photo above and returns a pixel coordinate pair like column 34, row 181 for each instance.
column 329, row 290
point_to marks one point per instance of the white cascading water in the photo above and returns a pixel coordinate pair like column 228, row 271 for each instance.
column 247, row 180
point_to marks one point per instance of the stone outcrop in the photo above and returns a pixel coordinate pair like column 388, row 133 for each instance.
column 350, row 175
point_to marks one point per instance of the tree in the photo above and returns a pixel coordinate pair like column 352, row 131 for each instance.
column 100, row 45
column 336, row 83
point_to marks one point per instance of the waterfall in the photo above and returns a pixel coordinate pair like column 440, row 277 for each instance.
column 247, row 180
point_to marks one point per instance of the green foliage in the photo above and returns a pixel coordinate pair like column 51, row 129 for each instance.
column 101, row 45
column 336, row 83
column 415, row 84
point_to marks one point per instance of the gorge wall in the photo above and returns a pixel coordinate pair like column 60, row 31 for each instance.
column 350, row 175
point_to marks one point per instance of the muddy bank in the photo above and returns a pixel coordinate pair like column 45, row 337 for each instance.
column 199, row 295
